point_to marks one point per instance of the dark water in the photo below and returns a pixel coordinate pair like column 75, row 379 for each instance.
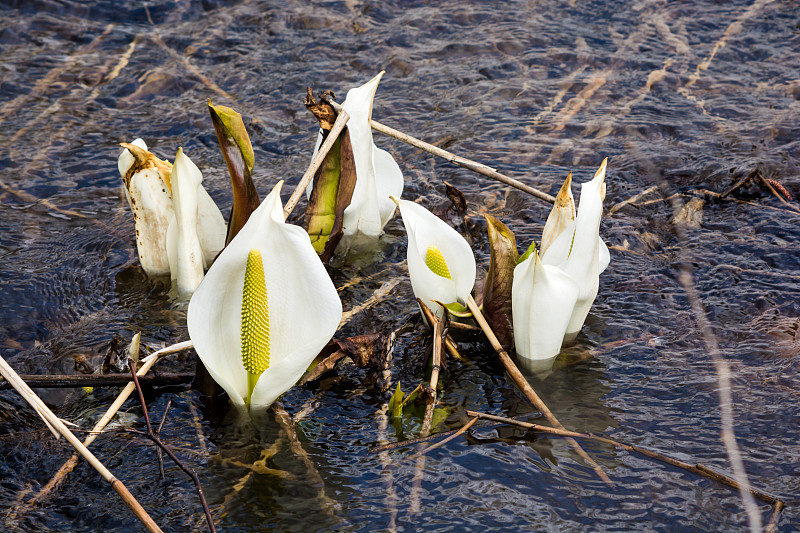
column 687, row 96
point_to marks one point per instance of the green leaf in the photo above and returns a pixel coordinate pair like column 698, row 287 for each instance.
column 456, row 309
column 239, row 156
column 499, row 280
column 396, row 403
column 333, row 186
column 528, row 252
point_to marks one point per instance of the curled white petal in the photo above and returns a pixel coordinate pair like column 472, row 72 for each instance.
column 424, row 230
column 126, row 159
column 304, row 307
column 183, row 245
column 543, row 298
column 561, row 216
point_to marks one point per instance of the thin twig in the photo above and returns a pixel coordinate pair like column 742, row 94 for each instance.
column 455, row 159
column 423, row 451
column 723, row 372
column 520, row 381
column 411, row 442
column 772, row 525
column 338, row 126
column 152, row 436
column 67, row 381
column 738, row 185
column 158, row 434
column 57, row 426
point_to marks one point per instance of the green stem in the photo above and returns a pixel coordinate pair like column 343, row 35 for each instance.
column 252, row 379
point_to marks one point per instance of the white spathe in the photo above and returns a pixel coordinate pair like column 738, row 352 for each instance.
column 542, row 301
column 149, row 198
column 183, row 243
column 304, row 307
column 580, row 252
column 378, row 175
column 425, row 231
column 161, row 215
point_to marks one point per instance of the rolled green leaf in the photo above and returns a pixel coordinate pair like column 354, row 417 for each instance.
column 238, row 153
column 499, row 281
column 332, row 189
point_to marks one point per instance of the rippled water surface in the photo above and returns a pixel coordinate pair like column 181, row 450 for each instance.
column 688, row 97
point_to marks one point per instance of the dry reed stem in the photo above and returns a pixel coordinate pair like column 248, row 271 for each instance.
column 696, row 468
column 59, row 428
column 772, row 525
column 455, row 159
column 520, row 381
column 377, row 296
column 99, row 380
column 425, row 430
column 725, row 400
column 635, row 198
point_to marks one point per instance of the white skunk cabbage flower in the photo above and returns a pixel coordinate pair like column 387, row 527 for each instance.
column 441, row 264
column 196, row 231
column 149, row 194
column 264, row 310
column 169, row 223
column 378, row 175
column 580, row 252
column 543, row 298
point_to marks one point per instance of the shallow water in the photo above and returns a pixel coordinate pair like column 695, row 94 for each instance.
column 686, row 96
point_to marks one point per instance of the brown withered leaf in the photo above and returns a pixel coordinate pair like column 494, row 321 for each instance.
column 499, row 281
column 323, row 111
column 366, row 351
column 453, row 211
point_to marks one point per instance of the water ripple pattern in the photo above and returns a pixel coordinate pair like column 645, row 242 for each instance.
column 685, row 98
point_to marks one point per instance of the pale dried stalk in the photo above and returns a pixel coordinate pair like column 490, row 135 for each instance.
column 520, row 381
column 455, row 159
column 425, row 430
column 56, row 425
